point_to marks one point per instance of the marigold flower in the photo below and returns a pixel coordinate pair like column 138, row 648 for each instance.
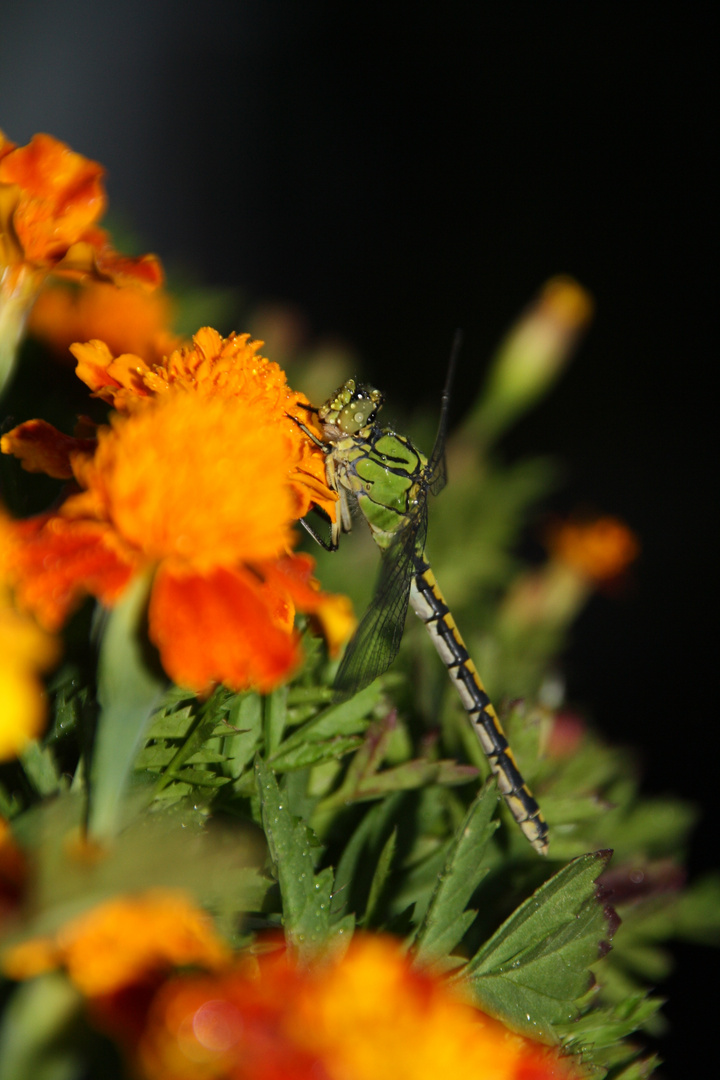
column 50, row 202
column 124, row 941
column 128, row 319
column 584, row 555
column 200, row 474
column 599, row 549
column 365, row 1016
column 25, row 652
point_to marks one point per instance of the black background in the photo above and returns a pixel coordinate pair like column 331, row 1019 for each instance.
column 398, row 170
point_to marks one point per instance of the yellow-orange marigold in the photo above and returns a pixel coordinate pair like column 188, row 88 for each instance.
column 50, row 202
column 129, row 319
column 200, row 476
column 367, row 1015
column 122, row 942
column 25, row 652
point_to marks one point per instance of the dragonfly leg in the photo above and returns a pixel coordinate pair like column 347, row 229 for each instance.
column 329, row 545
column 306, row 430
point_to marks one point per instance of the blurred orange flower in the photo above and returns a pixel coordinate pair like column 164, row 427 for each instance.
column 128, row 320
column 25, row 652
column 127, row 940
column 199, row 476
column 367, row 1015
column 599, row 549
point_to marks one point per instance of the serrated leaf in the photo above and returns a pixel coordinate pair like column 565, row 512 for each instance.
column 347, row 718
column 305, row 895
column 171, row 725
column 275, row 718
column 533, row 969
column 446, row 920
column 246, row 715
column 373, row 825
column 408, row 776
column 201, row 778
column 600, row 1028
column 129, row 689
column 382, row 870
column 313, row 753
column 154, row 757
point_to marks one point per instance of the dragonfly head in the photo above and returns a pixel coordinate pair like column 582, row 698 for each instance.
column 352, row 407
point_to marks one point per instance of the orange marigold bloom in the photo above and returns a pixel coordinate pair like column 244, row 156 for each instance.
column 200, row 475
column 129, row 320
column 50, row 202
column 124, row 941
column 365, row 1016
column 25, row 652
column 598, row 549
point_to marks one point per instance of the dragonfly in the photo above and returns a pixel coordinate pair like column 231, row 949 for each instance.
column 384, row 476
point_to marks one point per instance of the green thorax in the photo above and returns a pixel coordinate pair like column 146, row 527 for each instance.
column 383, row 471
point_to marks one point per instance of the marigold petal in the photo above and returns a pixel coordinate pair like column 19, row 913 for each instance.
column 333, row 612
column 95, row 255
column 111, row 378
column 43, row 449
column 225, row 626
column 61, row 195
column 55, row 563
column 127, row 320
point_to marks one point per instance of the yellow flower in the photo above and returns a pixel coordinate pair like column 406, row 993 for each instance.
column 200, row 476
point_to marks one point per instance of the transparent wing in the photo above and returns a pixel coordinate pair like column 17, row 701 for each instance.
column 435, row 471
column 377, row 639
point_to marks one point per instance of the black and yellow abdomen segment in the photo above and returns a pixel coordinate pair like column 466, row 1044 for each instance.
column 429, row 605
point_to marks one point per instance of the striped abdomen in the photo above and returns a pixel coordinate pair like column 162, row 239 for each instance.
column 429, row 605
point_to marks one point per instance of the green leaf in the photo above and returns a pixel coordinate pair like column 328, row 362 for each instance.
column 601, row 1028
column 446, row 920
column 39, row 766
column 313, row 753
column 33, row 1043
column 171, row 725
column 275, row 718
column 373, row 826
column 129, row 689
column 246, row 715
column 533, row 969
column 382, row 871
column 305, row 895
column 347, row 718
